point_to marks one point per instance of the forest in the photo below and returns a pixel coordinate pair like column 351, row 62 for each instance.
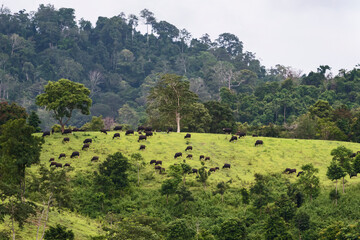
column 66, row 173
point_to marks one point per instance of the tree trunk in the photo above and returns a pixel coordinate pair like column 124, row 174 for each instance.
column 177, row 114
column 343, row 184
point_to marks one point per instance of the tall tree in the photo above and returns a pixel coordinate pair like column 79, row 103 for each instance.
column 172, row 97
column 341, row 155
column 63, row 97
column 308, row 182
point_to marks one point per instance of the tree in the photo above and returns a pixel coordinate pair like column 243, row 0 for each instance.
column 302, row 222
column 275, row 228
column 20, row 149
column 11, row 111
column 185, row 169
column 232, row 229
column 136, row 157
column 34, row 121
column 308, row 182
column 180, row 230
column 96, row 124
column 221, row 116
column 341, row 155
column 149, row 19
column 203, row 175
column 63, row 97
column 127, row 115
column 335, row 172
column 112, row 175
column 221, row 188
column 169, row 187
column 184, row 195
column 172, row 97
column 321, row 109
column 58, row 232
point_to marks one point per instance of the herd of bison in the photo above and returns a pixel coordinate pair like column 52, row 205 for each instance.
column 144, row 134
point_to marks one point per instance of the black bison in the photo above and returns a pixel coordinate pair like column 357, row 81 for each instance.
column 141, row 137
column 178, row 154
column 74, row 154
column 290, row 170
column 88, row 140
column 116, row 135
column 217, row 168
column 189, row 156
column 207, row 158
column 157, row 168
column 299, row 173
column 170, row 129
column 117, row 128
column 58, row 165
column 233, row 138
column 76, row 130
column 103, row 131
column 226, row 165
column 149, row 133
column 241, row 134
column 67, row 165
column 259, row 142
column 194, row 170
column 152, row 161
column 53, row 164
column 254, row 135
column 227, row 130
column 158, row 163
column 140, row 128
column 212, row 170
column 188, row 148
column 142, row 147
column 128, row 132
column 86, row 145
column 95, row 158
column 188, row 135
column 148, row 129
column 62, row 155
column 52, row 159
column 67, row 131
column 202, row 156
column 46, row 133
column 66, row 139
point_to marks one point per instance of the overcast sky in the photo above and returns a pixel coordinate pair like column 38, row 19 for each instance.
column 303, row 34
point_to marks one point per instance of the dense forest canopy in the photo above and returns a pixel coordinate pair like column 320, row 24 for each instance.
column 120, row 65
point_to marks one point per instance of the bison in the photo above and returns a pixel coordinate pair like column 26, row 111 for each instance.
column 259, row 142
column 158, row 163
column 128, row 132
column 62, row 155
column 233, row 138
column 189, row 156
column 241, row 134
column 149, row 133
column 74, row 154
column 188, row 135
column 178, row 154
column 299, row 173
column 212, row 170
column 67, row 131
column 148, row 129
column 188, row 148
column 103, row 131
column 194, row 170
column 67, row 165
column 170, row 129
column 95, row 158
column 207, row 158
column 153, row 161
column 53, row 164
column 46, row 133
column 290, row 170
column 141, row 137
column 52, row 159
column 140, row 128
column 226, row 165
column 86, row 145
column 117, row 128
column 202, row 156
column 142, row 147
column 66, row 139
column 88, row 140
column 157, row 168
column 58, row 165
column 116, row 135
column 227, row 130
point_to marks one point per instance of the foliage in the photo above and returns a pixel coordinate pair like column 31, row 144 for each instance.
column 11, row 112
column 232, row 229
column 34, row 121
column 180, row 229
column 96, row 124
column 58, row 232
column 308, row 182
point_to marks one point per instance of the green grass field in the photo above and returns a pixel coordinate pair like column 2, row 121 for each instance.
column 274, row 156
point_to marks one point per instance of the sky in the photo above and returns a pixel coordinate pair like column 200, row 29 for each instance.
column 302, row 34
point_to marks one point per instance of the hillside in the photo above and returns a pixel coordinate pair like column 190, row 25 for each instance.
column 274, row 156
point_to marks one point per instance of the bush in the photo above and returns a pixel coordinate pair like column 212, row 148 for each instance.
column 96, row 124
column 58, row 233
column 56, row 128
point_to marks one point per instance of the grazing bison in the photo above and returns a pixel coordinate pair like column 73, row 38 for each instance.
column 116, row 135
column 152, row 161
column 202, row 156
column 148, row 129
column 188, row 148
column 194, row 170
column 353, row 175
column 103, row 131
column 46, row 133
column 88, row 140
column 117, row 128
column 76, row 130
column 52, row 159
column 62, row 155
column 67, row 131
column 207, row 158
column 226, row 165
column 178, row 154
column 53, row 164
column 140, row 128
column 66, row 139
column 142, row 147
column 58, row 165
column 299, row 173
column 241, row 134
column 86, row 145
column 158, row 163
column 157, row 168
column 188, row 135
column 254, row 135
column 170, row 129
column 74, row 154
column 290, row 170
column 67, row 165
column 259, row 142
column 95, row 158
column 227, row 130
column 233, row 138
column 212, row 170
column 141, row 137
column 189, row 156
column 128, row 132
column 149, row 133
